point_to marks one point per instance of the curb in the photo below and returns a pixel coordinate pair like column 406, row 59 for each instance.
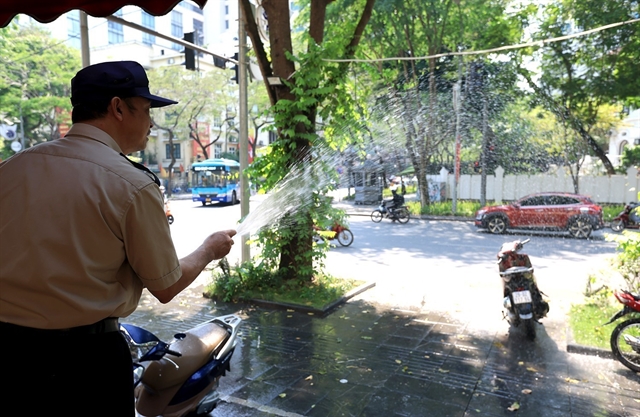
column 324, row 311
column 573, row 347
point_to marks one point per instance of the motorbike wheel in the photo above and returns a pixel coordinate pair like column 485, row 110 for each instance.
column 625, row 343
column 376, row 216
column 617, row 225
column 345, row 237
column 530, row 328
column 170, row 219
column 403, row 215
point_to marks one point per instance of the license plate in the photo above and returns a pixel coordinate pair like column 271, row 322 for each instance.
column 208, row 200
column 521, row 297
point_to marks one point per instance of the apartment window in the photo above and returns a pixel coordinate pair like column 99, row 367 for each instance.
column 176, row 151
column 176, row 28
column 148, row 21
column 198, row 28
column 226, row 9
column 73, row 29
column 217, row 121
column 217, row 150
column 191, row 7
column 226, row 24
column 116, row 33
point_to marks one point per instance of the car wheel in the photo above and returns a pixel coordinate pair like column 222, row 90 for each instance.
column 497, row 225
column 580, row 228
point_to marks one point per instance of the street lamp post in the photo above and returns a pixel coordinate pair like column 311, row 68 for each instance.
column 243, row 128
column 456, row 176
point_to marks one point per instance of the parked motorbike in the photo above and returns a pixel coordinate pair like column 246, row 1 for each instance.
column 623, row 220
column 337, row 231
column 625, row 338
column 394, row 210
column 180, row 377
column 522, row 302
column 167, row 212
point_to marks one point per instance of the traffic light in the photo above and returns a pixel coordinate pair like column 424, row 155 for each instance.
column 234, row 68
column 189, row 54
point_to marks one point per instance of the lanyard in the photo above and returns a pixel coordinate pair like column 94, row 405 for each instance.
column 143, row 168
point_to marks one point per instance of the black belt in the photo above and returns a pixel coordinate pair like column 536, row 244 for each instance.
column 107, row 325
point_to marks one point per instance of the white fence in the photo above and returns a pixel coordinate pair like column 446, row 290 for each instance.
column 602, row 189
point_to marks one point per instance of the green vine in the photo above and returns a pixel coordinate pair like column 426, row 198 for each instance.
column 317, row 91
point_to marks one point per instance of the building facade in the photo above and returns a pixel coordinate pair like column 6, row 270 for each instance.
column 215, row 28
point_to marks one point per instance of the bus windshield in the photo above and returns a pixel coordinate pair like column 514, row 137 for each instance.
column 215, row 180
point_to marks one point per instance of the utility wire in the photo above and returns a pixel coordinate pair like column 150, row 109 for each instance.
column 488, row 51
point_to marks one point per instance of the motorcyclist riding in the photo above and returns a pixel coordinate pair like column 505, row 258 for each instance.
column 398, row 199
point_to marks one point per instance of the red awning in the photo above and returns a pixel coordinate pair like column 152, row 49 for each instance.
column 46, row 11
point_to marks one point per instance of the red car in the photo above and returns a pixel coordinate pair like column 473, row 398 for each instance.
column 575, row 213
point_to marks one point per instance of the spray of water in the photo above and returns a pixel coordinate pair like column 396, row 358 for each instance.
column 294, row 192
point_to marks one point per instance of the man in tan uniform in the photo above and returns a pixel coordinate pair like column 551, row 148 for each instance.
column 82, row 232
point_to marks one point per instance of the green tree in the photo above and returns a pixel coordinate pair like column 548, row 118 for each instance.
column 419, row 91
column 580, row 75
column 200, row 97
column 310, row 87
column 35, row 74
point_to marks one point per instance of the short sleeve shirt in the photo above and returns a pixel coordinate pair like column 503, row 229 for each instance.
column 82, row 232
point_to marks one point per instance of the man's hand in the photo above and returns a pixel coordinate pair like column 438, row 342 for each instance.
column 216, row 246
column 219, row 243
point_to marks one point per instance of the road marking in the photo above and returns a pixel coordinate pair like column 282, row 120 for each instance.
column 260, row 407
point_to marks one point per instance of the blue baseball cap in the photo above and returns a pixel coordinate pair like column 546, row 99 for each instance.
column 113, row 79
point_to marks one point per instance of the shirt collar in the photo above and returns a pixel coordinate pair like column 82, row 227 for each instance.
column 93, row 133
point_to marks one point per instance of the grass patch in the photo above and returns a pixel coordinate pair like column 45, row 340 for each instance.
column 609, row 212
column 587, row 323
column 246, row 283
column 444, row 208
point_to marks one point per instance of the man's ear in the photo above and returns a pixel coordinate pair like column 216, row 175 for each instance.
column 115, row 107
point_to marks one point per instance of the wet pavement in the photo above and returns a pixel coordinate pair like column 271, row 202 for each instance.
column 367, row 359
column 383, row 353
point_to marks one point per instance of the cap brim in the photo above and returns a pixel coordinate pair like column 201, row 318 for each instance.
column 157, row 101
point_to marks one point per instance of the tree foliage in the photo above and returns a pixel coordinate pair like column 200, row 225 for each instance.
column 581, row 75
column 311, row 87
column 419, row 92
column 35, row 74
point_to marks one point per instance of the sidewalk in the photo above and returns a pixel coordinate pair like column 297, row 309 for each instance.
column 368, row 358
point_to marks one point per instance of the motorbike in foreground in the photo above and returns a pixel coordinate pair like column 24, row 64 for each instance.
column 623, row 219
column 392, row 209
column 523, row 303
column 337, row 231
column 180, row 377
column 625, row 338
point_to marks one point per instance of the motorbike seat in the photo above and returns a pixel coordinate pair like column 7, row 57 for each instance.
column 516, row 270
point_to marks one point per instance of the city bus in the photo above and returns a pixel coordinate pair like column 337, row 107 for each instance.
column 215, row 180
